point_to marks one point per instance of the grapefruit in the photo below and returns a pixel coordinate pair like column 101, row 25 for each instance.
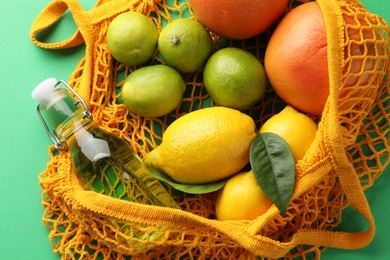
column 361, row 37
column 363, row 64
column 296, row 59
column 239, row 19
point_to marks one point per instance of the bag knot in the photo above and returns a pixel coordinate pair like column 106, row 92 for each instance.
column 147, row 6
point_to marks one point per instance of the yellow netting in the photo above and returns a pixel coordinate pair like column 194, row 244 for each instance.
column 350, row 151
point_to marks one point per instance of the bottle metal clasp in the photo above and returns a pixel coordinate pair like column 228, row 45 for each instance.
column 53, row 136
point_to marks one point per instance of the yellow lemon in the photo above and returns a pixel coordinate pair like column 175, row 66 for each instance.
column 296, row 128
column 204, row 146
column 241, row 198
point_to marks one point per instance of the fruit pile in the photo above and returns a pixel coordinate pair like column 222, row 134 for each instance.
column 219, row 148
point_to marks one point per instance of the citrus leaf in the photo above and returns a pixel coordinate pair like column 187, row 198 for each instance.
column 274, row 167
column 188, row 188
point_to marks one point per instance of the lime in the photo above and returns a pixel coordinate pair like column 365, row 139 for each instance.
column 185, row 45
column 234, row 78
column 132, row 38
column 153, row 91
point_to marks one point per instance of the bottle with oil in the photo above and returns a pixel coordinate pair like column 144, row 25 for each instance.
column 102, row 161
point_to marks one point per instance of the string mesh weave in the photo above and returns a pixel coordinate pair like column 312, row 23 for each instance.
column 83, row 226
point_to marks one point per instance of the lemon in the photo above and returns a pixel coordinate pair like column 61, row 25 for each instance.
column 204, row 146
column 185, row 45
column 234, row 78
column 296, row 128
column 241, row 198
column 153, row 91
column 132, row 38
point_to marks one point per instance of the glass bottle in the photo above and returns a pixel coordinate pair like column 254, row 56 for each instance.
column 102, row 161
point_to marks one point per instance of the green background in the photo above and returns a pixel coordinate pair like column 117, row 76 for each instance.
column 24, row 143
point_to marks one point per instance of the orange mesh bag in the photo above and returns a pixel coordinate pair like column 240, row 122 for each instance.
column 350, row 151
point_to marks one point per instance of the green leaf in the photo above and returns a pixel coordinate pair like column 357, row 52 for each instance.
column 188, row 188
column 274, row 167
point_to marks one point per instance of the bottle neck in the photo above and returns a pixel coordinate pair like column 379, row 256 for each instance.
column 74, row 123
column 62, row 113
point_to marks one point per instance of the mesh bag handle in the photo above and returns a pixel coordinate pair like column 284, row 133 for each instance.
column 85, row 33
column 85, row 20
column 51, row 14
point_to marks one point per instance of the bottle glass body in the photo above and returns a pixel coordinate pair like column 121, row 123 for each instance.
column 102, row 161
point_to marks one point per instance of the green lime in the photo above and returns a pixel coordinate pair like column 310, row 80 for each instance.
column 234, row 78
column 185, row 45
column 132, row 38
column 153, row 91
